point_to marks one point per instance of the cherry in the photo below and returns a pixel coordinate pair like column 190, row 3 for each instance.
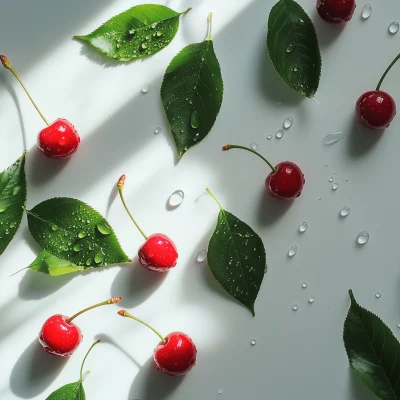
column 376, row 109
column 336, row 11
column 59, row 139
column 286, row 180
column 59, row 336
column 176, row 353
column 159, row 252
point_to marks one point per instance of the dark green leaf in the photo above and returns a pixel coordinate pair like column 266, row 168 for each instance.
column 12, row 199
column 293, row 47
column 236, row 256
column 191, row 93
column 138, row 32
column 72, row 391
column 373, row 351
column 71, row 230
column 53, row 266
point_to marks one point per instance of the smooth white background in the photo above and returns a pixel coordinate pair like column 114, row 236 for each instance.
column 298, row 354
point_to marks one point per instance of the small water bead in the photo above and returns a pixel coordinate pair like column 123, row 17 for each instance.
column 290, row 48
column 303, row 227
column 219, row 391
column 311, row 300
column 253, row 342
column 201, row 256
column 279, row 134
column 176, row 198
column 194, row 119
column 333, row 137
column 81, row 235
column 398, row 325
column 103, row 228
column 288, row 122
column 393, row 28
column 326, row 165
column 347, row 179
column 157, row 130
column 295, row 68
column 12, row 225
column 145, row 89
column 362, row 238
column 99, row 257
column 269, row 137
column 77, row 248
column 330, row 179
column 304, row 285
column 378, row 295
column 366, row 11
column 292, row 251
column 335, row 186
column 295, row 307
column 344, row 211
column 254, row 145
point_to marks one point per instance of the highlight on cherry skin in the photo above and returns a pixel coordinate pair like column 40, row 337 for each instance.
column 59, row 139
column 285, row 182
column 60, row 337
column 175, row 354
column 158, row 253
column 336, row 11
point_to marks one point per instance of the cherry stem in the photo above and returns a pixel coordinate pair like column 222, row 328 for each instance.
column 386, row 72
column 6, row 63
column 124, row 313
column 83, row 362
column 120, row 187
column 113, row 300
column 232, row 146
column 213, row 196
column 209, row 32
column 185, row 12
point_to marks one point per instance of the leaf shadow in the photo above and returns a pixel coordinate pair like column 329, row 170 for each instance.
column 270, row 209
column 327, row 33
column 135, row 284
column 34, row 371
column 152, row 384
column 357, row 390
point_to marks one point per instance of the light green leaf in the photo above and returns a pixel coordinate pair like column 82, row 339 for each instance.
column 141, row 31
column 293, row 47
column 191, row 93
column 71, row 391
column 73, row 231
column 373, row 351
column 53, row 266
column 12, row 199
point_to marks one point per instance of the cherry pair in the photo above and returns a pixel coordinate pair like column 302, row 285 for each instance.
column 174, row 355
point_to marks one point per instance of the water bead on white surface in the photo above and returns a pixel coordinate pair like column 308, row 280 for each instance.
column 303, row 227
column 362, row 238
column 333, row 137
column 176, row 198
column 393, row 28
column 344, row 211
column 201, row 256
column 366, row 11
column 288, row 122
column 292, row 251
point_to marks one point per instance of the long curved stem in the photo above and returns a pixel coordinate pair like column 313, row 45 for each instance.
column 83, row 362
column 124, row 313
column 386, row 72
column 213, row 196
column 6, row 63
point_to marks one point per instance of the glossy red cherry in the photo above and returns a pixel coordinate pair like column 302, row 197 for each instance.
column 336, row 11
column 287, row 182
column 158, row 253
column 176, row 353
column 376, row 109
column 59, row 139
column 177, row 356
column 60, row 337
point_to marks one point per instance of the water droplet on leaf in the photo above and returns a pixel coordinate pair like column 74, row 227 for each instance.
column 77, row 248
column 194, row 120
column 290, row 48
column 99, row 257
column 16, row 190
column 81, row 235
column 103, row 228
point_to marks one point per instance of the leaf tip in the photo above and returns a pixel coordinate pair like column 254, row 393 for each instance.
column 352, row 296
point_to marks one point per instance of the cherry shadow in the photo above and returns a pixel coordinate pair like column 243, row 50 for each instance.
column 151, row 384
column 270, row 209
column 34, row 371
column 135, row 284
column 327, row 33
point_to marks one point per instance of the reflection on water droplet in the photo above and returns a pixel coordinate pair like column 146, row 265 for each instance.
column 288, row 122
column 269, row 137
column 144, row 45
column 54, row 227
column 279, row 134
column 296, row 68
column 194, row 120
column 304, row 285
column 335, row 186
column 393, row 28
column 295, row 307
column 88, row 262
column 81, row 235
column 303, row 227
column 159, row 33
column 290, row 48
column 99, row 257
column 12, row 225
column 344, row 211
column 378, row 295
column 145, row 89
column 311, row 300
column 77, row 248
column 103, row 228
column 16, row 190
column 157, row 130
column 366, row 11
column 201, row 256
column 362, row 238
column 292, row 251
column 254, row 145
column 253, row 342
column 333, row 137
column 176, row 198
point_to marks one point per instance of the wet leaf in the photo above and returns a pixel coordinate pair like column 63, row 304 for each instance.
column 12, row 199
column 53, row 266
column 293, row 47
column 373, row 351
column 71, row 391
column 141, row 31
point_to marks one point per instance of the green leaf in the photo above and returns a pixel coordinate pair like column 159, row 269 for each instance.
column 192, row 92
column 73, row 231
column 138, row 32
column 293, row 47
column 71, row 391
column 373, row 351
column 52, row 265
column 12, row 199
column 236, row 257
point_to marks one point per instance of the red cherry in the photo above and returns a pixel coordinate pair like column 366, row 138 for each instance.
column 287, row 182
column 336, row 11
column 376, row 109
column 158, row 253
column 58, row 140
column 177, row 356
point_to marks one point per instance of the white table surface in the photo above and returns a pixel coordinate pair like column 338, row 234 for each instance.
column 298, row 355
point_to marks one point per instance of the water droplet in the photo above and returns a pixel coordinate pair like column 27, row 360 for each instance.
column 288, row 122
column 333, row 137
column 153, row 26
column 219, row 391
column 398, row 325
column 393, row 28
column 330, row 179
column 295, row 68
column 12, row 225
column 54, row 228
column 132, row 31
column 344, row 211
column 88, row 261
column 303, row 227
column 99, row 257
column 176, row 198
column 3, row 208
column 279, row 134
column 16, row 190
column 194, row 120
column 201, row 256
column 366, row 11
column 253, row 342
column 157, row 130
column 290, row 48
column 311, row 300
column 77, row 248
column 326, row 165
column 347, row 179
column 295, row 307
column 378, row 294
column 103, row 228
column 159, row 33
column 81, row 235
column 269, row 137
column 292, row 251
column 145, row 89
column 144, row 45
column 335, row 186
column 362, row 238
column 254, row 145
column 304, row 285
